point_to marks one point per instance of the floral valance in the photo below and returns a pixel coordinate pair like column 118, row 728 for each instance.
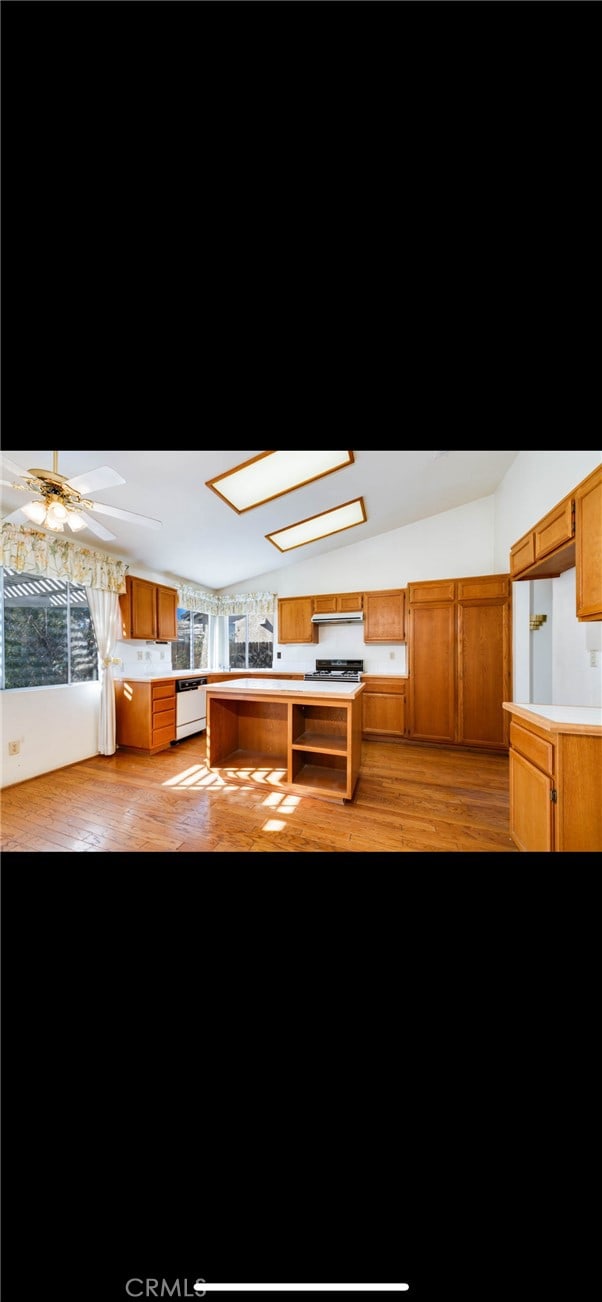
column 30, row 552
column 247, row 603
column 234, row 603
column 190, row 598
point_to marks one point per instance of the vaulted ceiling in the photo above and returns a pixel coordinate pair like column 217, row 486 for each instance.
column 202, row 540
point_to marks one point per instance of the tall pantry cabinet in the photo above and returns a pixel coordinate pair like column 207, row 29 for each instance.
column 459, row 648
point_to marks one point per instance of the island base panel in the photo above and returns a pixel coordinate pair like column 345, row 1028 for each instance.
column 260, row 728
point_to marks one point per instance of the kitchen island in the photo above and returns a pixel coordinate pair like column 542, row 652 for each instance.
column 304, row 737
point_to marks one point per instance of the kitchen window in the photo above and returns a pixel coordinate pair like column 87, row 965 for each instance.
column 47, row 635
column 250, row 641
column 191, row 650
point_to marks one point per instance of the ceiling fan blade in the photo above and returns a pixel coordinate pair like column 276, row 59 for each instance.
column 19, row 471
column 96, row 528
column 101, row 477
column 17, row 517
column 146, row 520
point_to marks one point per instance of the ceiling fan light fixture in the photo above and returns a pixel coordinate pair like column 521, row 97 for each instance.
column 56, row 514
column 35, row 511
column 75, row 521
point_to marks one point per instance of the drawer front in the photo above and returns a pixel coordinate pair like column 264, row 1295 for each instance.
column 386, row 686
column 534, row 748
column 161, row 690
column 555, row 529
column 163, row 736
column 164, row 703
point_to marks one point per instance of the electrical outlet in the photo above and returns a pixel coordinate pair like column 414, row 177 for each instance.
column 141, row 655
column 391, row 655
column 14, row 747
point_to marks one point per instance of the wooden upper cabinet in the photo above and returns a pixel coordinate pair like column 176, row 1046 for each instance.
column 294, row 620
column 556, row 529
column 548, row 549
column 167, row 613
column 339, row 602
column 384, row 615
column 149, row 611
column 588, row 528
column 568, row 537
column 522, row 554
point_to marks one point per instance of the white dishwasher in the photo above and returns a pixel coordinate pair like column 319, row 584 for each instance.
column 191, row 706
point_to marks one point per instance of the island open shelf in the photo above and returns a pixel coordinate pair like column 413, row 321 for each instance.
column 310, row 732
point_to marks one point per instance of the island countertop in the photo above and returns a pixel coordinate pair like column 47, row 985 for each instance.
column 287, row 686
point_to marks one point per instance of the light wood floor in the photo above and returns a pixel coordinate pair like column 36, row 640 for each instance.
column 408, row 798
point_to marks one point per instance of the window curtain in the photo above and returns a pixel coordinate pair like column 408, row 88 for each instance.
column 30, row 552
column 219, row 608
column 104, row 609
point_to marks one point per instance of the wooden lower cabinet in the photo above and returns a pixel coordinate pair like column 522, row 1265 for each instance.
column 145, row 715
column 555, row 786
column 459, row 653
column 383, row 706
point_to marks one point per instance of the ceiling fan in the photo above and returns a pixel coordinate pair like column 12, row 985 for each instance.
column 62, row 501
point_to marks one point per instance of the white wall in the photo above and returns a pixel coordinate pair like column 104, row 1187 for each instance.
column 55, row 726
column 535, row 482
column 58, row 725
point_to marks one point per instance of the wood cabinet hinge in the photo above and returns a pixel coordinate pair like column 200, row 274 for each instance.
column 554, row 796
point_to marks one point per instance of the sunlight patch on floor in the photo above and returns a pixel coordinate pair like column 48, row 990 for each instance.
column 283, row 802
column 259, row 777
column 197, row 776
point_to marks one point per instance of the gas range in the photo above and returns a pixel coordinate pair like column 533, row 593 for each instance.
column 339, row 670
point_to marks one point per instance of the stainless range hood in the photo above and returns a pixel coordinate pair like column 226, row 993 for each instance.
column 339, row 617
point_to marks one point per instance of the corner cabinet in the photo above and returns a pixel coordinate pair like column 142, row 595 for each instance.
column 554, row 783
column 568, row 537
column 384, row 615
column 383, row 706
column 145, row 715
column 149, row 611
column 459, row 644
column 294, row 620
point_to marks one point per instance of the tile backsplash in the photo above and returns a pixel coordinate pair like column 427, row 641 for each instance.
column 155, row 658
column 144, row 657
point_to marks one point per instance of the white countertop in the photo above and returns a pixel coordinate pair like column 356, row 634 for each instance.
column 300, row 688
column 564, row 717
column 155, row 677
